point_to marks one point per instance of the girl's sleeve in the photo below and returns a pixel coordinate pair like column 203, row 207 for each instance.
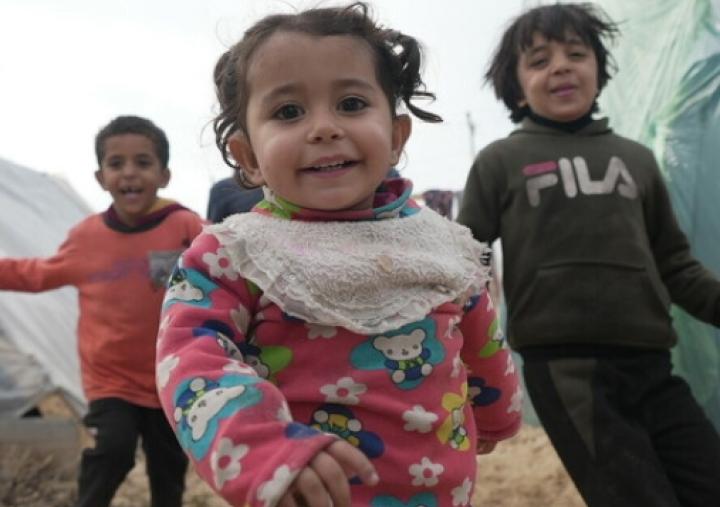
column 41, row 274
column 493, row 383
column 234, row 425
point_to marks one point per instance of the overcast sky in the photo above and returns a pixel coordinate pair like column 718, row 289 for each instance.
column 67, row 67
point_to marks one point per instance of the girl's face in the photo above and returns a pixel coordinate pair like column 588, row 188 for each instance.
column 559, row 80
column 320, row 130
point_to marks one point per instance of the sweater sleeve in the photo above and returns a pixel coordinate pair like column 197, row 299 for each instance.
column 41, row 274
column 235, row 425
column 691, row 286
column 493, row 384
column 481, row 202
column 196, row 225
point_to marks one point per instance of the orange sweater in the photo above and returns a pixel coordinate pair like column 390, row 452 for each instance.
column 120, row 274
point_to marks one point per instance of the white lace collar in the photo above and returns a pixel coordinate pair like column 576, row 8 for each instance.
column 367, row 276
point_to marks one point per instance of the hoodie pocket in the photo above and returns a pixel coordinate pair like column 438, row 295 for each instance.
column 594, row 299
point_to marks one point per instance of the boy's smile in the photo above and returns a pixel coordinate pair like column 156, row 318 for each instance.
column 132, row 173
column 320, row 130
column 559, row 79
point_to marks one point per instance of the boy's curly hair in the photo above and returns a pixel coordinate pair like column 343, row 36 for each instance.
column 554, row 22
column 134, row 125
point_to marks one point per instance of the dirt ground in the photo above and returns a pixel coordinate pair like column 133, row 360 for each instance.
column 524, row 472
column 521, row 472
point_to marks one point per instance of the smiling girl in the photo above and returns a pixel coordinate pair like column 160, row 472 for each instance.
column 337, row 345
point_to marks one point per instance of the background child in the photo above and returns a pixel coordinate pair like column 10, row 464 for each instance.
column 593, row 257
column 229, row 196
column 337, row 331
column 120, row 261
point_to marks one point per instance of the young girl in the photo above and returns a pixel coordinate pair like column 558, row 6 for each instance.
column 593, row 256
column 336, row 346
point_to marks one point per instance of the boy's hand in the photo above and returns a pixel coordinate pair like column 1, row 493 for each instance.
column 485, row 446
column 324, row 482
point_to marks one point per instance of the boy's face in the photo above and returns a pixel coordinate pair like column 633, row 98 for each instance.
column 559, row 80
column 131, row 171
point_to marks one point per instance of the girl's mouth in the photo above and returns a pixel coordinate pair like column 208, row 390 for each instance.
column 326, row 168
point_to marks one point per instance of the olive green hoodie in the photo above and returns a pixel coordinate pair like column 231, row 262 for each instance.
column 592, row 252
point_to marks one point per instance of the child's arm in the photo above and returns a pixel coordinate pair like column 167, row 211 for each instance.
column 690, row 285
column 493, row 383
column 41, row 274
column 481, row 205
column 236, row 426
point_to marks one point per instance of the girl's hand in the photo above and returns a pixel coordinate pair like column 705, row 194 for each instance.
column 324, row 482
column 485, row 446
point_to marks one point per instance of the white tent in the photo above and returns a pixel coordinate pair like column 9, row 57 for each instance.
column 38, row 345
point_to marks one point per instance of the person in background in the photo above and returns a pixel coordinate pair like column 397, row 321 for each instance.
column 336, row 345
column 229, row 196
column 593, row 257
column 440, row 201
column 120, row 261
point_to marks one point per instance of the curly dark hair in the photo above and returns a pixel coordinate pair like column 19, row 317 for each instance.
column 398, row 60
column 134, row 125
column 585, row 20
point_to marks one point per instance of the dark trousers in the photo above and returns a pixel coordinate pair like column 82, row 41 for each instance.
column 117, row 425
column 629, row 433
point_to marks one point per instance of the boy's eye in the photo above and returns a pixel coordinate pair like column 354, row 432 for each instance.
column 538, row 62
column 288, row 112
column 351, row 104
column 114, row 163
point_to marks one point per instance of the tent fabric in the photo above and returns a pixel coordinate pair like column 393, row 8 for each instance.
column 691, row 128
column 38, row 345
column 669, row 72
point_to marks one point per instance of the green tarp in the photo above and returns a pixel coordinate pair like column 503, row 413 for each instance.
column 666, row 95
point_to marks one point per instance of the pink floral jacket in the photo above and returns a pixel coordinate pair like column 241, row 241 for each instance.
column 254, row 393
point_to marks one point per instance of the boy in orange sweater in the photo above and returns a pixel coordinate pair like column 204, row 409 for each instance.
column 119, row 260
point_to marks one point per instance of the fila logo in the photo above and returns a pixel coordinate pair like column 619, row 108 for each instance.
column 576, row 177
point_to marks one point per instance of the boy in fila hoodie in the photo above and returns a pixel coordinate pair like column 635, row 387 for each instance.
column 593, row 257
column 120, row 261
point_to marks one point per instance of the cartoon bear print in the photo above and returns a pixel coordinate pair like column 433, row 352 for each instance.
column 405, row 355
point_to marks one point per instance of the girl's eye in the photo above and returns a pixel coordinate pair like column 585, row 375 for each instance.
column 539, row 62
column 288, row 112
column 351, row 104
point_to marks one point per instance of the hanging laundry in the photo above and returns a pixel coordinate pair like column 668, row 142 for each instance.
column 440, row 201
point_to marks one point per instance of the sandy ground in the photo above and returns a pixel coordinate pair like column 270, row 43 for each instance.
column 521, row 472
column 524, row 472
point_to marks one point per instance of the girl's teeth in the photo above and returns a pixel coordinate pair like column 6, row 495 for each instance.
column 330, row 167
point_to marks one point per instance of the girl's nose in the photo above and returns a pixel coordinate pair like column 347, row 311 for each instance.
column 324, row 128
